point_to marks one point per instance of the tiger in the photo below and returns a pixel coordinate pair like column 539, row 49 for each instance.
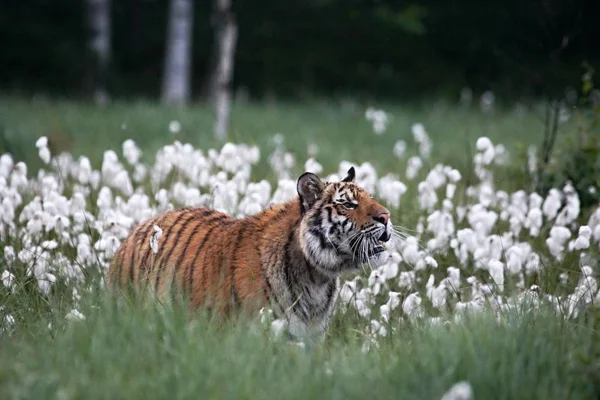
column 289, row 256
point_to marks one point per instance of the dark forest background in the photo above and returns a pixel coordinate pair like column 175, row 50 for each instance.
column 297, row 48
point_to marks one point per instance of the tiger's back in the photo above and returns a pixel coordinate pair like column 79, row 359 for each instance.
column 197, row 253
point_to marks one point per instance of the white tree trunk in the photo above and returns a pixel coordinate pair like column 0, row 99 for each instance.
column 99, row 21
column 176, row 77
column 226, row 39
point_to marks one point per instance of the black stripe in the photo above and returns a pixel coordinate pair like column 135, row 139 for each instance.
column 322, row 240
column 133, row 253
column 118, row 261
column 287, row 260
column 144, row 232
column 131, row 262
column 165, row 259
column 325, row 306
column 132, row 266
column 221, row 250
column 268, row 290
column 241, row 232
column 205, row 212
column 316, row 219
column 311, row 277
column 287, row 274
column 329, row 214
column 140, row 243
column 280, row 312
column 199, row 250
column 346, row 221
column 280, row 213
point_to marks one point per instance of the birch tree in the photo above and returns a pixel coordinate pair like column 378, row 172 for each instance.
column 226, row 39
column 177, row 67
column 98, row 14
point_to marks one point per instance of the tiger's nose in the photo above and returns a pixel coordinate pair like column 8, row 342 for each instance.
column 383, row 217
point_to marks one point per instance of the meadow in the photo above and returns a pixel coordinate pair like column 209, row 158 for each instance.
column 493, row 286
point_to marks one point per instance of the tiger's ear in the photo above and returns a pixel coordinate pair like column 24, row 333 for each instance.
column 351, row 175
column 309, row 189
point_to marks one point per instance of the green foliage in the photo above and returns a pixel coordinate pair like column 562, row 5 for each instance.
column 577, row 159
column 121, row 351
column 299, row 47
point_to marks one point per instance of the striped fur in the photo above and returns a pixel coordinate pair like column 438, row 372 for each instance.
column 289, row 256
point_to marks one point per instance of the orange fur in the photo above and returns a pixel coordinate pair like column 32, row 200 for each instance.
column 214, row 257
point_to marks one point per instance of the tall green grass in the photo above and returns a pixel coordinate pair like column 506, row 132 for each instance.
column 125, row 352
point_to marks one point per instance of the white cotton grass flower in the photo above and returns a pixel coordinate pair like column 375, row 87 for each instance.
column 376, row 281
column 265, row 315
column 412, row 306
column 348, row 292
column 313, row 166
column 552, row 204
column 454, row 175
column 44, row 154
column 312, row 149
column 502, row 155
column 278, row 327
column 569, row 213
column 450, row 190
column 282, row 162
column 9, row 321
column 362, row 302
column 583, row 294
column 487, row 101
column 378, row 118
column 6, row 165
column 75, row 315
column 422, row 139
column 131, row 152
column 436, row 176
column 394, row 301
column 414, row 165
column 8, row 279
column 400, row 149
column 41, row 142
column 9, row 254
column 486, row 148
column 174, row 127
column 556, row 242
column 459, row 391
column 391, row 190
column 377, row 328
column 436, row 294
column 583, row 239
column 427, row 196
column 496, row 270
column 43, row 151
column 155, row 237
column 390, row 269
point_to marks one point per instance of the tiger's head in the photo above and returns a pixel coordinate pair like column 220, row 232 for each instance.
column 342, row 226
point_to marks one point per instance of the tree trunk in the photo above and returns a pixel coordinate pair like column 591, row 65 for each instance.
column 176, row 78
column 99, row 45
column 226, row 39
